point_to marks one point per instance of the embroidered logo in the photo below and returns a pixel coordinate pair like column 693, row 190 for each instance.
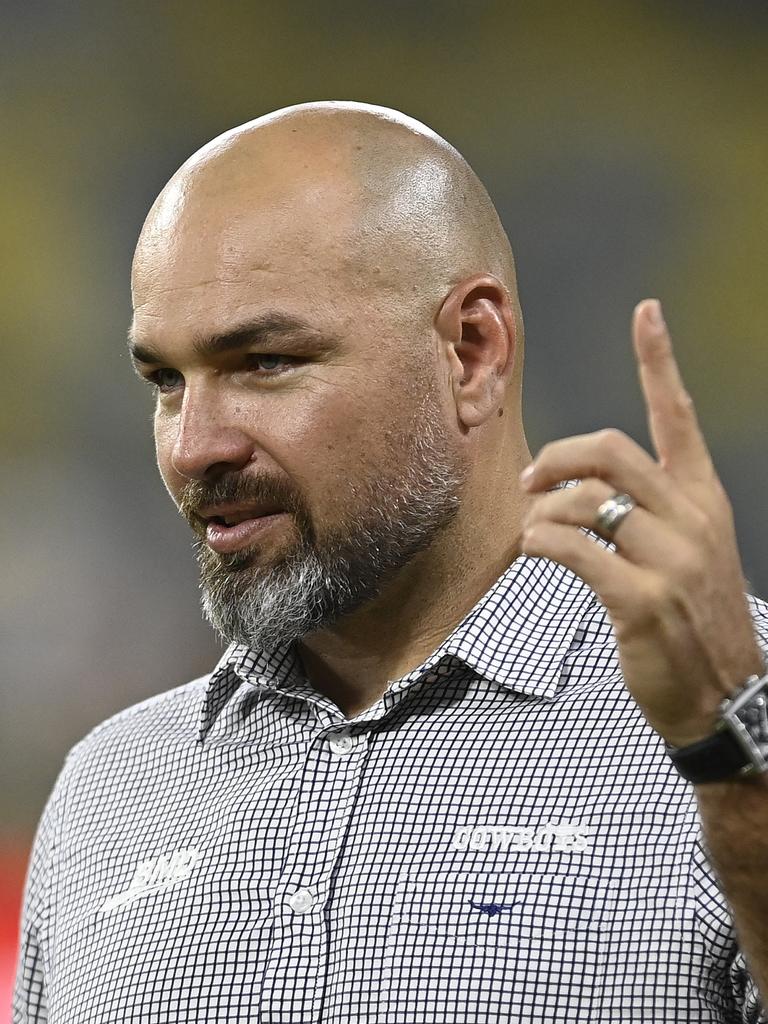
column 157, row 873
column 564, row 837
column 491, row 909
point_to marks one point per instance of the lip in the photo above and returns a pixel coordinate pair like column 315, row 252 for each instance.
column 254, row 508
column 225, row 540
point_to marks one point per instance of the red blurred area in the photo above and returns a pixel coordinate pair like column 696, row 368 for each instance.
column 14, row 853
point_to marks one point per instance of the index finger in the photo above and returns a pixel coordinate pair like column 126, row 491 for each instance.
column 672, row 420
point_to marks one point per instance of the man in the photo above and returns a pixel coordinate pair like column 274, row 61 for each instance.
column 432, row 777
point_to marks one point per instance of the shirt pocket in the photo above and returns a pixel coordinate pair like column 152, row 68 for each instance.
column 495, row 946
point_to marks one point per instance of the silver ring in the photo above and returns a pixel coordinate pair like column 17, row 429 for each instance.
column 612, row 512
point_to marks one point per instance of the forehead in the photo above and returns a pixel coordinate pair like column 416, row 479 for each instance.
column 214, row 255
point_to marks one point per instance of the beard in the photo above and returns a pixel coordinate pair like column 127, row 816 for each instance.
column 391, row 516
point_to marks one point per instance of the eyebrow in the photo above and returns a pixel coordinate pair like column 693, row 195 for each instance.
column 269, row 327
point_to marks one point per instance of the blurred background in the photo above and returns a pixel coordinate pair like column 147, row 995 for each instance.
column 626, row 147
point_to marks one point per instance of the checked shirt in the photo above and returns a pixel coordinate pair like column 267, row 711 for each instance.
column 500, row 838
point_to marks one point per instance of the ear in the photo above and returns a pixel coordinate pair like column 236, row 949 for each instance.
column 477, row 326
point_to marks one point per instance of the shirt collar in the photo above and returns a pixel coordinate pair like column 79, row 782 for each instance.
column 240, row 664
column 520, row 632
column 517, row 635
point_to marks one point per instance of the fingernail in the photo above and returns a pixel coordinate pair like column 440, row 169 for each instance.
column 525, row 476
column 654, row 315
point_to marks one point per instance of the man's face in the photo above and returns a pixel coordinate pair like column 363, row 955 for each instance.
column 300, row 425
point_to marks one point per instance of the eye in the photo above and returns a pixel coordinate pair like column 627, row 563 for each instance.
column 165, row 380
column 270, row 363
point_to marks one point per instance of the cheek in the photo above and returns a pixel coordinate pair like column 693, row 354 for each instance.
column 330, row 444
column 324, row 448
column 346, row 450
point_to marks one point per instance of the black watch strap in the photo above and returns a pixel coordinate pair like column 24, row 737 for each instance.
column 709, row 760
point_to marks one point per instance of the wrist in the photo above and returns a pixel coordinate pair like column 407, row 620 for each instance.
column 731, row 746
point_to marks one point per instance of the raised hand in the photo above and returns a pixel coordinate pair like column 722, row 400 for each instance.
column 674, row 587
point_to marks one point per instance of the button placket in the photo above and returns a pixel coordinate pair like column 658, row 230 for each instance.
column 328, row 786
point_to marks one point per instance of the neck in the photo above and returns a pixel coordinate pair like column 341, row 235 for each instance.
column 354, row 661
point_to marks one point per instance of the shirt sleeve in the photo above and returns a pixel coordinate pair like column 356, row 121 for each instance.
column 725, row 979
column 750, row 1005
column 30, row 998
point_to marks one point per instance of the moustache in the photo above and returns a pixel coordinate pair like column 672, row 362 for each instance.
column 241, row 490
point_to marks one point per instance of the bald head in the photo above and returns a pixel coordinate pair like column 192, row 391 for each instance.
column 325, row 305
column 368, row 192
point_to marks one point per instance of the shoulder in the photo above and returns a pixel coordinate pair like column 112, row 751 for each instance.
column 164, row 719
column 122, row 752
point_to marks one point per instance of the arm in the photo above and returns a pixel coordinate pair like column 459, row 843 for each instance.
column 674, row 590
column 734, row 818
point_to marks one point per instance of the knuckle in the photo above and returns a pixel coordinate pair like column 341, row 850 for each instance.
column 611, row 440
column 545, row 453
column 700, row 528
column 687, row 569
column 682, row 404
column 594, row 492
column 649, row 602
column 663, row 596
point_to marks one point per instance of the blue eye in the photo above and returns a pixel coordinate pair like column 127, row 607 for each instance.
column 268, row 361
column 262, row 364
column 271, row 364
column 166, row 380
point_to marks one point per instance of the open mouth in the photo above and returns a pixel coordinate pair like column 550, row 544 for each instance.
column 230, row 531
column 235, row 519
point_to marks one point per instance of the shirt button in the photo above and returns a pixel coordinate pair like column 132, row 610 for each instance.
column 301, row 901
column 341, row 742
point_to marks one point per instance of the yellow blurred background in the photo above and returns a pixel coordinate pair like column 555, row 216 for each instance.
column 625, row 144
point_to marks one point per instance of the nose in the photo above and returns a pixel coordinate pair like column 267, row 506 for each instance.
column 208, row 441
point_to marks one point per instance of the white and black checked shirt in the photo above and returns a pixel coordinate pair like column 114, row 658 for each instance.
column 501, row 837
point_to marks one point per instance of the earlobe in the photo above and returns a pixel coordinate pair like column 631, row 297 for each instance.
column 480, row 400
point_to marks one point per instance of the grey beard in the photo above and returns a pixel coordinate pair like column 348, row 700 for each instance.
column 323, row 579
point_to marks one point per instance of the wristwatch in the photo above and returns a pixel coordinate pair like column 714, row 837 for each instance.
column 739, row 746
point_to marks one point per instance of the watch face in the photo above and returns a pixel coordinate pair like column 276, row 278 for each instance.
column 755, row 718
column 750, row 710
